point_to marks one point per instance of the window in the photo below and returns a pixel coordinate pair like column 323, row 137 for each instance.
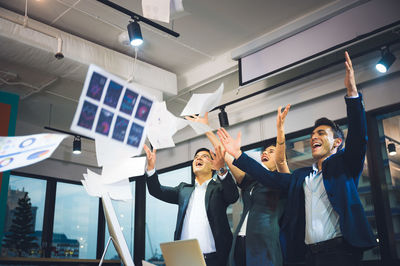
column 161, row 216
column 75, row 223
column 389, row 133
column 26, row 197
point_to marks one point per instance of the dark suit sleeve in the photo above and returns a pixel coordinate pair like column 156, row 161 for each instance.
column 229, row 189
column 167, row 194
column 262, row 175
column 246, row 182
column 356, row 142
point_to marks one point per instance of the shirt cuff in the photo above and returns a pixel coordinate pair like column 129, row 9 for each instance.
column 222, row 177
column 352, row 97
column 151, row 172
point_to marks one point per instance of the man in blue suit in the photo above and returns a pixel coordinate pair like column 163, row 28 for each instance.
column 324, row 221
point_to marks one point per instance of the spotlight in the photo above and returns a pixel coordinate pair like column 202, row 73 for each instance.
column 392, row 149
column 223, row 118
column 386, row 60
column 77, row 145
column 135, row 34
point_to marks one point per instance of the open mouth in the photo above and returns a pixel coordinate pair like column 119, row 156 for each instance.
column 264, row 159
column 316, row 146
column 199, row 163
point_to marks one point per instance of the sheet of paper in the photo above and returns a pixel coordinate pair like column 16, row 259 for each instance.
column 92, row 184
column 95, row 186
column 202, row 103
column 126, row 168
column 162, row 126
column 156, row 9
column 199, row 128
column 110, row 153
column 21, row 151
column 181, row 123
column 111, row 107
column 120, row 190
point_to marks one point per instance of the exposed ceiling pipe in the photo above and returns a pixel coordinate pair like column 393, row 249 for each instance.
column 42, row 30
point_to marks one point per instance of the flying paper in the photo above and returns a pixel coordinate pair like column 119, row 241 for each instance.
column 21, row 151
column 112, row 108
column 95, row 186
column 156, row 9
column 204, row 102
column 162, row 126
column 124, row 169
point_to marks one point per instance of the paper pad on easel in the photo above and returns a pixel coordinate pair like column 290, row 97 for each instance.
column 204, row 102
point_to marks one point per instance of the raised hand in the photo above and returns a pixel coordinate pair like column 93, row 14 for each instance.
column 231, row 145
column 151, row 157
column 280, row 117
column 198, row 118
column 349, row 80
column 217, row 158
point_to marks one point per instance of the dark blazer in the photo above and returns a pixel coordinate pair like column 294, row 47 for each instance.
column 219, row 195
column 341, row 172
column 264, row 207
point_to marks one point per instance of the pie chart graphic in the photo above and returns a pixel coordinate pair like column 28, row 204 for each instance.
column 5, row 162
column 37, row 155
column 27, row 142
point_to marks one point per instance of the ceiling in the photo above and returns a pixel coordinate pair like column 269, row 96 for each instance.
column 209, row 31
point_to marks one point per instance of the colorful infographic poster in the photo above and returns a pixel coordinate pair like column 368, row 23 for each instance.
column 17, row 152
column 112, row 108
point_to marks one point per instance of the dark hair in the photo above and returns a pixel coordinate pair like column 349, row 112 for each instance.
column 337, row 132
column 268, row 143
column 191, row 166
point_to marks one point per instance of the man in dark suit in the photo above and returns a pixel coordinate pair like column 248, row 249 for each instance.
column 324, row 218
column 202, row 205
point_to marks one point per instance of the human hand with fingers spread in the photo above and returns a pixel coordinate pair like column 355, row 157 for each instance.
column 280, row 117
column 198, row 118
column 217, row 159
column 231, row 145
column 151, row 157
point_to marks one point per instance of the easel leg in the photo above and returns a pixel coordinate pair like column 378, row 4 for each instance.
column 105, row 250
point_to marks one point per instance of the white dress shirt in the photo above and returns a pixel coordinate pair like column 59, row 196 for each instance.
column 196, row 224
column 322, row 221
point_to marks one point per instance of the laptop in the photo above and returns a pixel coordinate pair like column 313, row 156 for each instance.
column 182, row 253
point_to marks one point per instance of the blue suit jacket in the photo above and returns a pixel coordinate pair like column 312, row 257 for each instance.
column 341, row 172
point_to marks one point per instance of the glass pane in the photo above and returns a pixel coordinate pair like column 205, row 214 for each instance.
column 125, row 212
column 299, row 155
column 390, row 131
column 25, row 203
column 161, row 216
column 75, row 223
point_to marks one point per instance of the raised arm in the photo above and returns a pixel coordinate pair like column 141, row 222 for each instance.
column 230, row 191
column 356, row 141
column 251, row 166
column 280, row 152
column 164, row 193
column 236, row 172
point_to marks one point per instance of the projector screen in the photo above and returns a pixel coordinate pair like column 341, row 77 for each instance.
column 338, row 31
